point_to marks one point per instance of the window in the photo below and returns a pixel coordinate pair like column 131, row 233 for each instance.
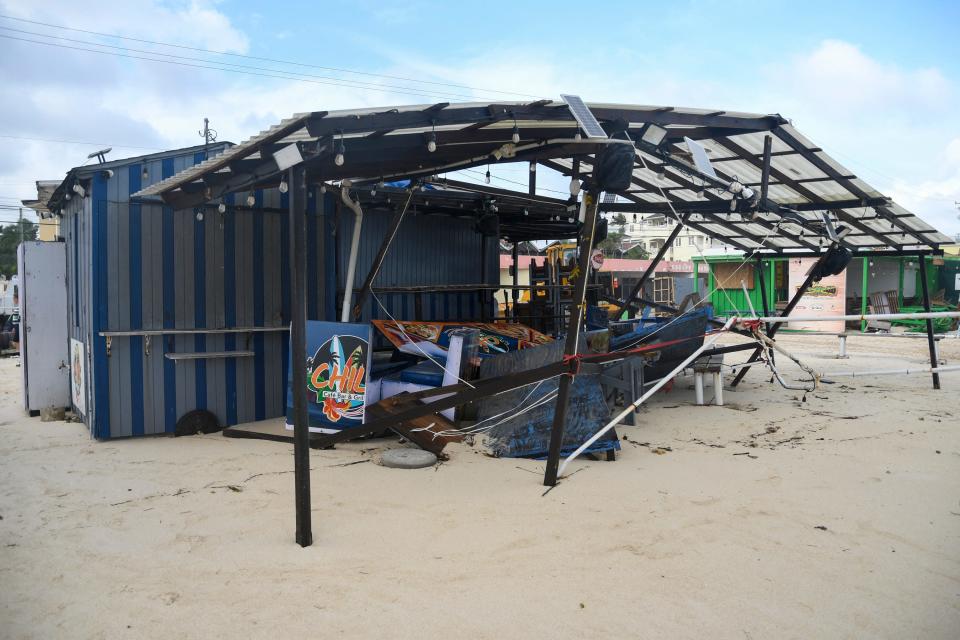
column 690, row 241
column 679, row 242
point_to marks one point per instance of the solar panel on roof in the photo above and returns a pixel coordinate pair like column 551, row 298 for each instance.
column 585, row 118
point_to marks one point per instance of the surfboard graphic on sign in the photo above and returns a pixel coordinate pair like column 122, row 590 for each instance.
column 337, row 365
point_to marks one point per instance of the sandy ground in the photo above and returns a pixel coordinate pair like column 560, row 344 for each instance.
column 772, row 517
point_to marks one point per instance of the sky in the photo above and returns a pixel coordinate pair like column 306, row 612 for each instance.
column 876, row 84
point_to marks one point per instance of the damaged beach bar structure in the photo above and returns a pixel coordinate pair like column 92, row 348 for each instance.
column 352, row 222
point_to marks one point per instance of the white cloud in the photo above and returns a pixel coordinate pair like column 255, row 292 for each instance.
column 842, row 98
column 849, row 81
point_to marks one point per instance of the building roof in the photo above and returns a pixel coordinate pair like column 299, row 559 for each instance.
column 391, row 143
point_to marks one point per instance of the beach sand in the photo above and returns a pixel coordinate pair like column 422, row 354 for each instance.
column 837, row 516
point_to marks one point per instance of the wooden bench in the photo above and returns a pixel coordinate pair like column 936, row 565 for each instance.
column 714, row 365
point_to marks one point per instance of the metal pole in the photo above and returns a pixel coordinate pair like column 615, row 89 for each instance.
column 786, row 312
column 573, row 334
column 931, row 343
column 20, row 224
column 298, row 354
column 763, row 282
column 863, row 295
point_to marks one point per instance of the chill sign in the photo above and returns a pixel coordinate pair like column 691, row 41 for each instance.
column 338, row 362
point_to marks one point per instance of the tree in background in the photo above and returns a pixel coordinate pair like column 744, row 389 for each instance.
column 619, row 219
column 10, row 240
column 611, row 247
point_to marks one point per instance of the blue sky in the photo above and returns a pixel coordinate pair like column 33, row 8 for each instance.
column 876, row 84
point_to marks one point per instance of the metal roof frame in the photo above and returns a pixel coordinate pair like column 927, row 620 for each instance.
column 391, row 143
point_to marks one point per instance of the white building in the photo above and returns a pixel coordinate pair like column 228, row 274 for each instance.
column 650, row 231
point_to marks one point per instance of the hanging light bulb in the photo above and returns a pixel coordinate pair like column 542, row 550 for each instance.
column 533, row 167
column 525, row 212
column 488, row 175
column 431, row 142
column 516, row 134
column 341, row 150
column 283, row 186
column 222, row 208
column 323, row 188
column 251, row 200
column 145, row 175
column 701, row 192
column 662, row 173
column 574, row 187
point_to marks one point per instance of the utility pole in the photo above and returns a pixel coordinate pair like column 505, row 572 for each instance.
column 20, row 224
column 209, row 135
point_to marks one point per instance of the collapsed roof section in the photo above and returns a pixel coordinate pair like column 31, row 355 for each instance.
column 807, row 191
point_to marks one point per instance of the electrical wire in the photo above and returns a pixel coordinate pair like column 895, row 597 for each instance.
column 414, row 343
column 99, row 144
column 261, row 59
column 244, row 71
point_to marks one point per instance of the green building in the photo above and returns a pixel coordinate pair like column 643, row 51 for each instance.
column 726, row 276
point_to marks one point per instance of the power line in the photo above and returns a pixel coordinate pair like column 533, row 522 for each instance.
column 291, row 76
column 226, row 64
column 100, row 144
column 262, row 59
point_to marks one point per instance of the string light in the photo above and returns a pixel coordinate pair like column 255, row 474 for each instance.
column 341, row 150
column 251, row 200
column 431, row 142
column 222, row 208
column 283, row 186
column 574, row 187
column 488, row 174
column 516, row 133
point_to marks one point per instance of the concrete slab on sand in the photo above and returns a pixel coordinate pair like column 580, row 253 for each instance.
column 770, row 517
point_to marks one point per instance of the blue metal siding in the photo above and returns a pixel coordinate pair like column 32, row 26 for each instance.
column 426, row 250
column 145, row 266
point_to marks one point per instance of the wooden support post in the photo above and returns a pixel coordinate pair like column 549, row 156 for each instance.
column 378, row 261
column 298, row 353
column 931, row 343
column 773, row 330
column 577, row 305
column 638, row 288
column 765, row 169
column 483, row 277
column 516, row 279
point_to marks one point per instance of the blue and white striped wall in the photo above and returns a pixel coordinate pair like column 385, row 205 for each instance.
column 138, row 266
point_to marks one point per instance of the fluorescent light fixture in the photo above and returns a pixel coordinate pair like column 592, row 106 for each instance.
column 654, row 135
column 287, row 157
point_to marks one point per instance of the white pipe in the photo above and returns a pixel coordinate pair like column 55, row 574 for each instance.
column 354, row 249
column 746, row 294
column 888, row 372
column 664, row 380
column 866, row 316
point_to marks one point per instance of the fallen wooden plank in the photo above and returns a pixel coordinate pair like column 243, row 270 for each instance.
column 423, row 431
